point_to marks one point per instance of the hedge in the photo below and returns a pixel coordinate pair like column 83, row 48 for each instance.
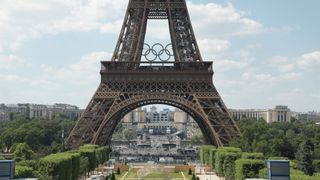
column 23, row 172
column 246, row 155
column 224, row 163
column 278, row 158
column 316, row 165
column 205, row 153
column 60, row 166
column 248, row 168
column 212, row 158
column 2, row 158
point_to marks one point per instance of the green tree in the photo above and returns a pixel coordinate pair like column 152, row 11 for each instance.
column 193, row 177
column 304, row 157
column 22, row 152
column 190, row 172
column 128, row 134
column 112, row 177
column 118, row 171
column 84, row 165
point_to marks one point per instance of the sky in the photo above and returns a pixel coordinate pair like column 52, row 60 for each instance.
column 265, row 52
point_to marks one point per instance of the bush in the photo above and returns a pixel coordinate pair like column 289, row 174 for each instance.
column 205, row 153
column 316, row 165
column 299, row 175
column 23, row 172
column 2, row 158
column 278, row 158
column 263, row 173
column 224, row 162
column 246, row 155
column 118, row 171
column 212, row 158
column 84, row 165
column 248, row 168
column 57, row 166
column 91, row 155
column 190, row 172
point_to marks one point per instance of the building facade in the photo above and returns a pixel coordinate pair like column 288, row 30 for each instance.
column 277, row 114
column 32, row 111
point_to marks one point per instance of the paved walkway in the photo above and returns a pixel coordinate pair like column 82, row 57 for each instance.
column 209, row 177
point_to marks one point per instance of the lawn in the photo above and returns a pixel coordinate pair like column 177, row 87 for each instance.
column 132, row 174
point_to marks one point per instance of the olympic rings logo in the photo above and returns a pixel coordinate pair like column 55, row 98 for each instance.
column 157, row 51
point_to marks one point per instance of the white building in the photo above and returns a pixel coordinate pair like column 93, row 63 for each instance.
column 277, row 114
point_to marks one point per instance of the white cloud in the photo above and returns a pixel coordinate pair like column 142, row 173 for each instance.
column 310, row 60
column 286, row 67
column 210, row 46
column 10, row 61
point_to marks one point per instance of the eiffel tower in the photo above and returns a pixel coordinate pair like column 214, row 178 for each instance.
column 140, row 74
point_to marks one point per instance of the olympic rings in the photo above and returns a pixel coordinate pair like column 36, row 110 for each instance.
column 157, row 51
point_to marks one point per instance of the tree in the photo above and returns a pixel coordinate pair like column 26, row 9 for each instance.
column 193, row 177
column 190, row 172
column 22, row 152
column 304, row 157
column 112, row 177
column 118, row 171
column 128, row 134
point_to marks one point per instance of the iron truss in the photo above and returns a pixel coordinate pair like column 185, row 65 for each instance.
column 127, row 83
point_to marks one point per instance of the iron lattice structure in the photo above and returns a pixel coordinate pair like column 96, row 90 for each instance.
column 128, row 83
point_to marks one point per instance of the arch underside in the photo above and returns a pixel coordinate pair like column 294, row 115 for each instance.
column 109, row 105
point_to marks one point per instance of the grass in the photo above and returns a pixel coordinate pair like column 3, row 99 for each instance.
column 132, row 174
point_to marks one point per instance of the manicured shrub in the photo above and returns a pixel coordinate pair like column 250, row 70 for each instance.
column 23, row 172
column 118, row 171
column 91, row 155
column 278, row 158
column 212, row 158
column 248, row 168
column 28, row 163
column 205, row 153
column 246, row 155
column 190, row 171
column 224, row 162
column 316, row 165
column 263, row 173
column 84, row 165
column 2, row 158
column 57, row 166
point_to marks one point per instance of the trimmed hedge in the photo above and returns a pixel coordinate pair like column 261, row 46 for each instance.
column 205, row 153
column 316, row 165
column 278, row 158
column 212, row 158
column 224, row 163
column 60, row 166
column 248, row 168
column 23, row 172
column 246, row 155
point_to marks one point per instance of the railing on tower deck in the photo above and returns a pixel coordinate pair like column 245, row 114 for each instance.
column 154, row 67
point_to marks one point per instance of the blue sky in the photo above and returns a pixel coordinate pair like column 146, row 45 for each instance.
column 265, row 52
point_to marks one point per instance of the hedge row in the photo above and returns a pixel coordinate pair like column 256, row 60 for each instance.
column 246, row 155
column 248, row 168
column 23, row 171
column 205, row 153
column 68, row 165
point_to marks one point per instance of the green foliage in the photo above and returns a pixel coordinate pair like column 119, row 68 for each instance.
column 230, row 149
column 278, row 158
column 248, row 168
column 60, row 166
column 22, row 152
column 2, row 158
column 205, row 153
column 299, row 175
column 263, row 173
column 224, row 163
column 212, row 157
column 84, row 165
column 193, row 177
column 29, row 163
column 246, row 155
column 118, row 171
column 276, row 139
column 23, row 172
column 304, row 157
column 316, row 165
column 128, row 134
column 190, row 171
column 37, row 133
column 112, row 177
